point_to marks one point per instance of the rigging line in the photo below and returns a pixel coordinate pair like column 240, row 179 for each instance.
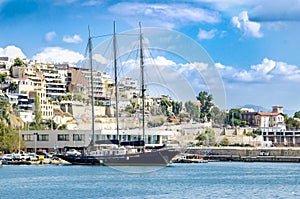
column 84, row 61
column 86, row 49
column 129, row 54
column 107, row 56
column 156, row 67
column 99, row 36
column 128, row 34
column 111, row 53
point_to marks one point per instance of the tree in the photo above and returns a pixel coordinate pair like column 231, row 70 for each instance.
column 176, row 107
column 18, row 62
column 9, row 140
column 37, row 111
column 192, row 109
column 13, row 87
column 62, row 127
column 165, row 104
column 201, row 138
column 184, row 117
column 205, row 105
column 4, row 114
column 3, row 78
column 211, row 138
column 49, row 124
column 59, row 98
column 156, row 122
column 292, row 124
column 224, row 142
column 297, row 114
column 207, row 138
column 218, row 116
column 234, row 117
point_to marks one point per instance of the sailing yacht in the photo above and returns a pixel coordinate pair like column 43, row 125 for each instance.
column 115, row 152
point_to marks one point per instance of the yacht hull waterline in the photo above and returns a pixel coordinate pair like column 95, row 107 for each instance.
column 154, row 158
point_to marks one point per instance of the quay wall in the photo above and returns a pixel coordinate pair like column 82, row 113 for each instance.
column 246, row 151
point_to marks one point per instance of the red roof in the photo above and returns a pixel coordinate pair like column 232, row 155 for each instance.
column 268, row 114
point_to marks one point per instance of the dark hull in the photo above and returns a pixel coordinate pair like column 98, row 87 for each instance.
column 154, row 158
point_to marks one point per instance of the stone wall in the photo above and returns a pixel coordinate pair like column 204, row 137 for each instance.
column 244, row 151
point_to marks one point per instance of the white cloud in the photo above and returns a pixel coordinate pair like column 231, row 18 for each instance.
column 166, row 14
column 203, row 34
column 279, row 10
column 267, row 83
column 226, row 71
column 58, row 55
column 72, row 39
column 249, row 28
column 160, row 60
column 12, row 51
column 50, row 36
column 267, row 71
column 99, row 58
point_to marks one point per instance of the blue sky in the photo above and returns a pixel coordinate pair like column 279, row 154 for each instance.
column 254, row 43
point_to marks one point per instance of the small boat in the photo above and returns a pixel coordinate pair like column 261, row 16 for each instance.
column 189, row 158
column 114, row 152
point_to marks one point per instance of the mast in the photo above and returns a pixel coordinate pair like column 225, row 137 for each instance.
column 92, row 143
column 143, row 81
column 116, row 79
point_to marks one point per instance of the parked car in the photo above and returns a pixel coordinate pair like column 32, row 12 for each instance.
column 16, row 156
column 28, row 157
column 32, row 156
column 73, row 152
column 7, row 157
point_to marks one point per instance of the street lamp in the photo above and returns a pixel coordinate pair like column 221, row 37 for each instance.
column 35, row 139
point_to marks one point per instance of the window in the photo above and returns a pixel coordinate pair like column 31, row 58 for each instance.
column 78, row 137
column 63, row 137
column 43, row 137
column 28, row 137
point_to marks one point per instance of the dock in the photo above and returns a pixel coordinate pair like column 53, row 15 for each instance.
column 55, row 161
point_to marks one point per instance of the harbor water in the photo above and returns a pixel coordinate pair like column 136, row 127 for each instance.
column 206, row 180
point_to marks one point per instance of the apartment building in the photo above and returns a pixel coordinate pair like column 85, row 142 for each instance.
column 76, row 81
column 55, row 84
column 5, row 64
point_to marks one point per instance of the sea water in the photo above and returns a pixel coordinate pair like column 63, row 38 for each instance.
column 204, row 180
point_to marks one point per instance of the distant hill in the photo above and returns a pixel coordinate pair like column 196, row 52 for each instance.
column 256, row 108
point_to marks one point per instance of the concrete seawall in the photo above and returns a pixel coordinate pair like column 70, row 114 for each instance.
column 247, row 154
